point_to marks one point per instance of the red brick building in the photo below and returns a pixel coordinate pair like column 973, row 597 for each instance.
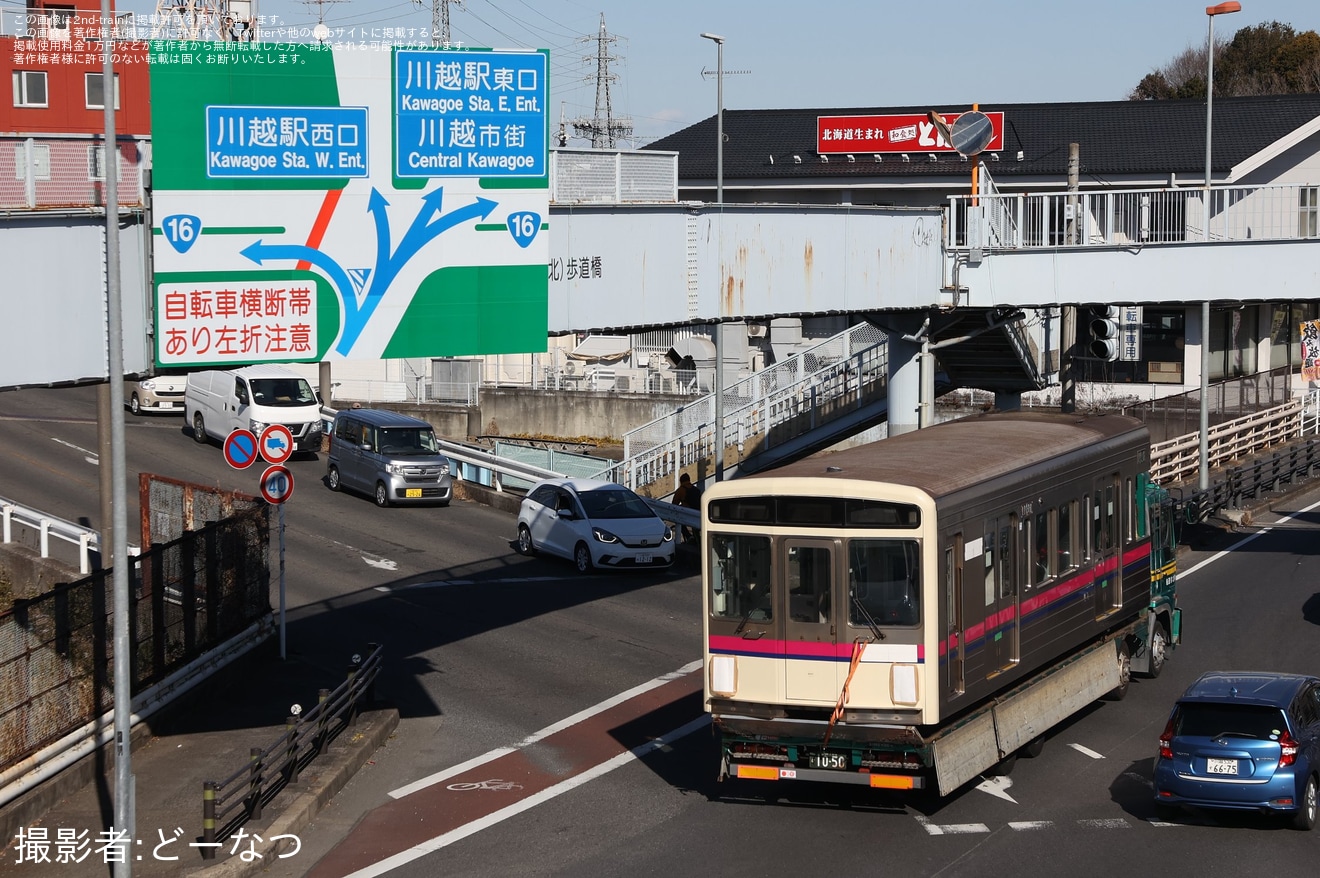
column 52, row 126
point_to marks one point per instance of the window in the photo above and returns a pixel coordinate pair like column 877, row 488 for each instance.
column 30, row 88
column 1041, row 535
column 740, row 578
column 884, row 582
column 40, row 161
column 1066, row 540
column 96, row 164
column 1308, row 212
column 95, row 89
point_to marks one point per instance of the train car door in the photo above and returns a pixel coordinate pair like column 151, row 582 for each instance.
column 1001, row 592
column 1106, row 546
column 810, row 631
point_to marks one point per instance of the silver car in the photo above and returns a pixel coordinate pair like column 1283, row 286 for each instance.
column 163, row 393
column 593, row 524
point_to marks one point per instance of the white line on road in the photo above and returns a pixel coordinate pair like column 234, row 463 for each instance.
column 92, row 457
column 532, row 801
column 1086, row 751
column 546, row 732
column 1110, row 823
column 1028, row 825
column 1183, row 574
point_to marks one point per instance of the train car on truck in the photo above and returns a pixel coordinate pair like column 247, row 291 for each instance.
column 915, row 612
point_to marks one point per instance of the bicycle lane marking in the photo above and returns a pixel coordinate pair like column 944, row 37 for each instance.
column 434, row 817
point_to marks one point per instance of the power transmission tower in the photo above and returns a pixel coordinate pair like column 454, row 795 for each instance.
column 222, row 21
column 603, row 128
column 440, row 35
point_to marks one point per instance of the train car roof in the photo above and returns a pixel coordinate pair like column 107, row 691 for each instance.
column 948, row 457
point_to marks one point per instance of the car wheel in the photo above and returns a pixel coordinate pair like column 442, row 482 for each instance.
column 382, row 495
column 582, row 558
column 1304, row 819
column 134, row 406
column 332, row 477
column 525, row 546
column 1159, row 651
column 1124, row 672
column 199, row 429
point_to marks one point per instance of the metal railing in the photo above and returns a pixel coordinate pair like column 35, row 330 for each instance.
column 44, row 526
column 801, row 393
column 1179, row 459
column 1177, row 415
column 1127, row 217
column 228, row 804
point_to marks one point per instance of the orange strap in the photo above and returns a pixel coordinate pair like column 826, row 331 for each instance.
column 859, row 646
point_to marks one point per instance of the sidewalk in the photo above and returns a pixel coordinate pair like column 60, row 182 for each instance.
column 208, row 735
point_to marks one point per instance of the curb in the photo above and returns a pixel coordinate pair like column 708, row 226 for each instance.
column 373, row 729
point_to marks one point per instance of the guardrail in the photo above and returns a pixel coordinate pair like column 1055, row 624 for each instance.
column 228, row 804
column 1180, row 458
column 46, row 526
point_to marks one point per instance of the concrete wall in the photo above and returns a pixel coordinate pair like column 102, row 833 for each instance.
column 516, row 411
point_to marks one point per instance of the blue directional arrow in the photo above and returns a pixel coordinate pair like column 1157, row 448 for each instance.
column 259, row 252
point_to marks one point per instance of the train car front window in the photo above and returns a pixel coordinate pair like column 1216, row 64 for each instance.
column 740, row 578
column 884, row 582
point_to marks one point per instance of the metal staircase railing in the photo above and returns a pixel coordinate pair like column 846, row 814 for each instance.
column 805, row 391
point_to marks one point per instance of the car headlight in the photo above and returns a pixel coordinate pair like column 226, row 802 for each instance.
column 258, row 426
column 669, row 533
column 444, row 469
column 604, row 536
column 148, row 384
column 394, row 469
column 314, row 427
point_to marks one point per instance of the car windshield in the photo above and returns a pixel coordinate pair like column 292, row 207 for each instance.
column 407, row 440
column 1204, row 720
column 282, row 392
column 614, row 503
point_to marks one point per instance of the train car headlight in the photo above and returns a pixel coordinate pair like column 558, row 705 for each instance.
column 903, row 685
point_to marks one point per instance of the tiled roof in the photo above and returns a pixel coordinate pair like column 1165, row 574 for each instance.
column 1114, row 137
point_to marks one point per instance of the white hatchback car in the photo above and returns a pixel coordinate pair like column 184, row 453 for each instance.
column 593, row 524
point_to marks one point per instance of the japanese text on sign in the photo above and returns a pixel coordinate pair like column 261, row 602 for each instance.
column 243, row 322
column 286, row 142
column 460, row 115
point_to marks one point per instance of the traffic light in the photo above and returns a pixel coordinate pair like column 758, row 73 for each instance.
column 1104, row 332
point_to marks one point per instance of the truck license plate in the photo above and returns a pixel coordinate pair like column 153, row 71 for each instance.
column 412, row 492
column 827, row 760
column 1221, row 766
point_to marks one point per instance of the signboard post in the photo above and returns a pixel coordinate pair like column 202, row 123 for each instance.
column 277, row 487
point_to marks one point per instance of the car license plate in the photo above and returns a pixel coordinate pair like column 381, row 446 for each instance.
column 167, row 405
column 412, row 492
column 643, row 559
column 1221, row 766
column 827, row 760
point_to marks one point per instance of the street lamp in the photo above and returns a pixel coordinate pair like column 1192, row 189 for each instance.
column 1204, row 449
column 719, row 115
column 719, row 199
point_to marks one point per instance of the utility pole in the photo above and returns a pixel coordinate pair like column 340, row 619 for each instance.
column 440, row 35
column 603, row 128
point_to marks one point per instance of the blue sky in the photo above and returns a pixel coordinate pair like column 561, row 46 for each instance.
column 798, row 53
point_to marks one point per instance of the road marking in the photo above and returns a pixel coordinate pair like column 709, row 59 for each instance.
column 569, row 722
column 950, row 828
column 1086, row 751
column 1111, row 823
column 1183, row 574
column 92, row 457
column 997, row 786
column 381, row 563
column 442, row 841
column 1028, row 825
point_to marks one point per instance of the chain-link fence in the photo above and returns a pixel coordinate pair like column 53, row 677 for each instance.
column 187, row 596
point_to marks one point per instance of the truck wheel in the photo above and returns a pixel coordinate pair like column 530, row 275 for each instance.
column 1124, row 672
column 1033, row 748
column 1159, row 650
column 199, row 429
column 1003, row 766
column 382, row 495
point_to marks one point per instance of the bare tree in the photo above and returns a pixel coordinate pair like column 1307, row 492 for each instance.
column 1269, row 58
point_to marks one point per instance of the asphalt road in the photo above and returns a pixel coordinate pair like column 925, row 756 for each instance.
column 487, row 649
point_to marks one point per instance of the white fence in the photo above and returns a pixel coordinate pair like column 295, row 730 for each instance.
column 1131, row 217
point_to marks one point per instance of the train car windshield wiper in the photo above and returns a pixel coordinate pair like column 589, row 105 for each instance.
column 867, row 618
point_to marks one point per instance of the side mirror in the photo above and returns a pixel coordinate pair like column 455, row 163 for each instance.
column 567, row 514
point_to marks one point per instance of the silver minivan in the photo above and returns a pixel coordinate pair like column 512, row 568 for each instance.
column 391, row 457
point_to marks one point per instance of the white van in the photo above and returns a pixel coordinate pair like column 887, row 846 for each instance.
column 254, row 397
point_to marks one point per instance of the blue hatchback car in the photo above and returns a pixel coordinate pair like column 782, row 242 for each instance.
column 1244, row 741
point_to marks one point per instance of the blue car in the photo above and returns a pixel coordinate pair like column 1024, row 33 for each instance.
column 1243, row 741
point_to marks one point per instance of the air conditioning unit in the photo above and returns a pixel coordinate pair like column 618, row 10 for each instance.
column 757, row 330
column 573, row 367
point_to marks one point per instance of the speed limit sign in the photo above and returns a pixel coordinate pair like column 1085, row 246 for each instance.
column 276, row 484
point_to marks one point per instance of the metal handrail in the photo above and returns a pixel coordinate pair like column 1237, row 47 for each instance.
column 85, row 538
column 229, row 803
